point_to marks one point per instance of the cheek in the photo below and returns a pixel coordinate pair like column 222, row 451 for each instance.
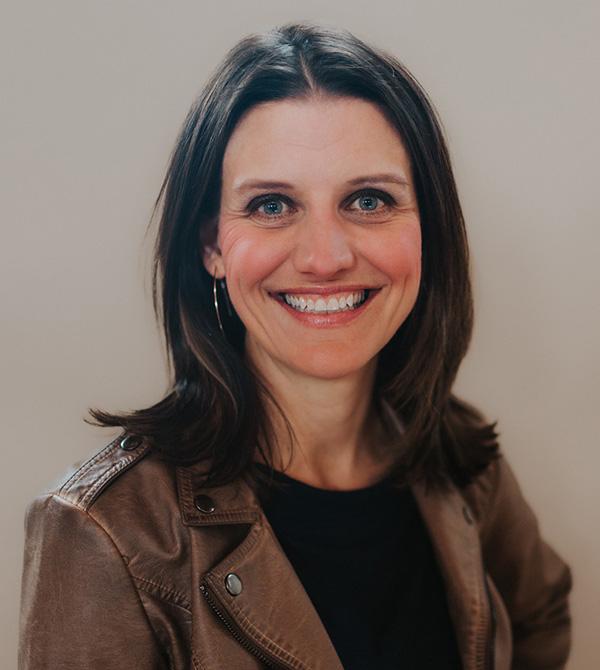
column 249, row 258
column 400, row 256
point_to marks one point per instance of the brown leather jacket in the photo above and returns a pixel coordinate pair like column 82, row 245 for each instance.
column 133, row 563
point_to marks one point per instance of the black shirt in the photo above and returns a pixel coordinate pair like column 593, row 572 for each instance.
column 365, row 559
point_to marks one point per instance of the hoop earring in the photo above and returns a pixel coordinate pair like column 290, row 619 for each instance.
column 216, row 303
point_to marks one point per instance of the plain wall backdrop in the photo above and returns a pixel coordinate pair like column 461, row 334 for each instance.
column 93, row 95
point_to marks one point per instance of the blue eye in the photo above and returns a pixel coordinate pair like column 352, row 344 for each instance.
column 370, row 200
column 272, row 206
column 269, row 204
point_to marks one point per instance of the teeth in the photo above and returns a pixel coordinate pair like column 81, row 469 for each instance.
column 319, row 306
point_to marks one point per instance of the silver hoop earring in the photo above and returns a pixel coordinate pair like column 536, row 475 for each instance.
column 216, row 303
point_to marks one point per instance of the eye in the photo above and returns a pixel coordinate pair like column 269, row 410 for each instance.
column 369, row 199
column 270, row 206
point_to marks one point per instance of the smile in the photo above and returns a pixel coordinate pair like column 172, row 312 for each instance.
column 331, row 304
column 329, row 310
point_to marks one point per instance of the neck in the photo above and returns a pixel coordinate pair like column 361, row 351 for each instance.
column 337, row 439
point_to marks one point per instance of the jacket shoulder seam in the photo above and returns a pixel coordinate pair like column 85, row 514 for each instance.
column 87, row 465
column 102, row 469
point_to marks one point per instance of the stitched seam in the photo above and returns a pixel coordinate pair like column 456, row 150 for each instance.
column 165, row 593
column 78, row 474
column 185, row 485
column 195, row 660
column 96, row 487
column 193, row 634
column 271, row 644
column 117, row 467
column 192, row 516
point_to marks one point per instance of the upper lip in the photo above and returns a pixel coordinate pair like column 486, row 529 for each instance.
column 326, row 290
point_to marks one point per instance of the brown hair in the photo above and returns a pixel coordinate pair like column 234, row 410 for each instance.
column 216, row 408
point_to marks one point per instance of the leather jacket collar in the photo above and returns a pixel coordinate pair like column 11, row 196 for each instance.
column 269, row 623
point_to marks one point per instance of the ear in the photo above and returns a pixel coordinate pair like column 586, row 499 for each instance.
column 209, row 244
column 213, row 261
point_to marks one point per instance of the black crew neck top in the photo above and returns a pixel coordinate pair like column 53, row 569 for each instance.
column 365, row 560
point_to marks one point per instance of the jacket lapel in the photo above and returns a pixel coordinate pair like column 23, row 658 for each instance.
column 272, row 611
column 455, row 540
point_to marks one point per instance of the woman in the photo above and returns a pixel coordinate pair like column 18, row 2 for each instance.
column 309, row 494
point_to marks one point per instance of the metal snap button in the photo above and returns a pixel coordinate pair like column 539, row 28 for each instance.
column 468, row 516
column 131, row 442
column 204, row 503
column 233, row 584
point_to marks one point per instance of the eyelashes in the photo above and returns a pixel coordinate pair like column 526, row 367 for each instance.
column 254, row 205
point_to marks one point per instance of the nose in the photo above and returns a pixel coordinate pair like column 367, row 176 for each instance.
column 323, row 246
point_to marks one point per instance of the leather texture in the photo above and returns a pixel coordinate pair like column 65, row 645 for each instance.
column 123, row 570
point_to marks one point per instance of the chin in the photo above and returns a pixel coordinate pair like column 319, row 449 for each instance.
column 324, row 365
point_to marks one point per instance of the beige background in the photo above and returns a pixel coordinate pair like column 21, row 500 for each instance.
column 93, row 94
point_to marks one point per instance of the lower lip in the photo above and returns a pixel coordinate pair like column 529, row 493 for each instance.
column 326, row 319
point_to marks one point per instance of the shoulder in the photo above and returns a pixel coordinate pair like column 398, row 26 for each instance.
column 120, row 503
column 495, row 493
column 84, row 482
column 122, row 486
column 95, row 560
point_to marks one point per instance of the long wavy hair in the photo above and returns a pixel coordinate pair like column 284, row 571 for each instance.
column 216, row 409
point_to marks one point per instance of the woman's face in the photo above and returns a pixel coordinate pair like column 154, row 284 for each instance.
column 317, row 206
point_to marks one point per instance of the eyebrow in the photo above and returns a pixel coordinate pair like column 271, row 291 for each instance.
column 380, row 178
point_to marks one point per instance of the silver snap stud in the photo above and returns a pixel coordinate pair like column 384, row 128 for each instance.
column 233, row 584
column 204, row 504
column 467, row 514
column 131, row 442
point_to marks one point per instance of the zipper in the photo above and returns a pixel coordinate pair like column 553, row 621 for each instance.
column 486, row 655
column 269, row 660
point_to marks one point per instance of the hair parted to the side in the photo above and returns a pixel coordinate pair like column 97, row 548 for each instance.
column 216, row 408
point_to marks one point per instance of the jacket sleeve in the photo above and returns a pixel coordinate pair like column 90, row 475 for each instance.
column 79, row 607
column 532, row 578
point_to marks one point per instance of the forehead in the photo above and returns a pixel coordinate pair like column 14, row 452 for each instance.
column 320, row 137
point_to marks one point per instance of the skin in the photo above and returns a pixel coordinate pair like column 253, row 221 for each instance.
column 320, row 231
